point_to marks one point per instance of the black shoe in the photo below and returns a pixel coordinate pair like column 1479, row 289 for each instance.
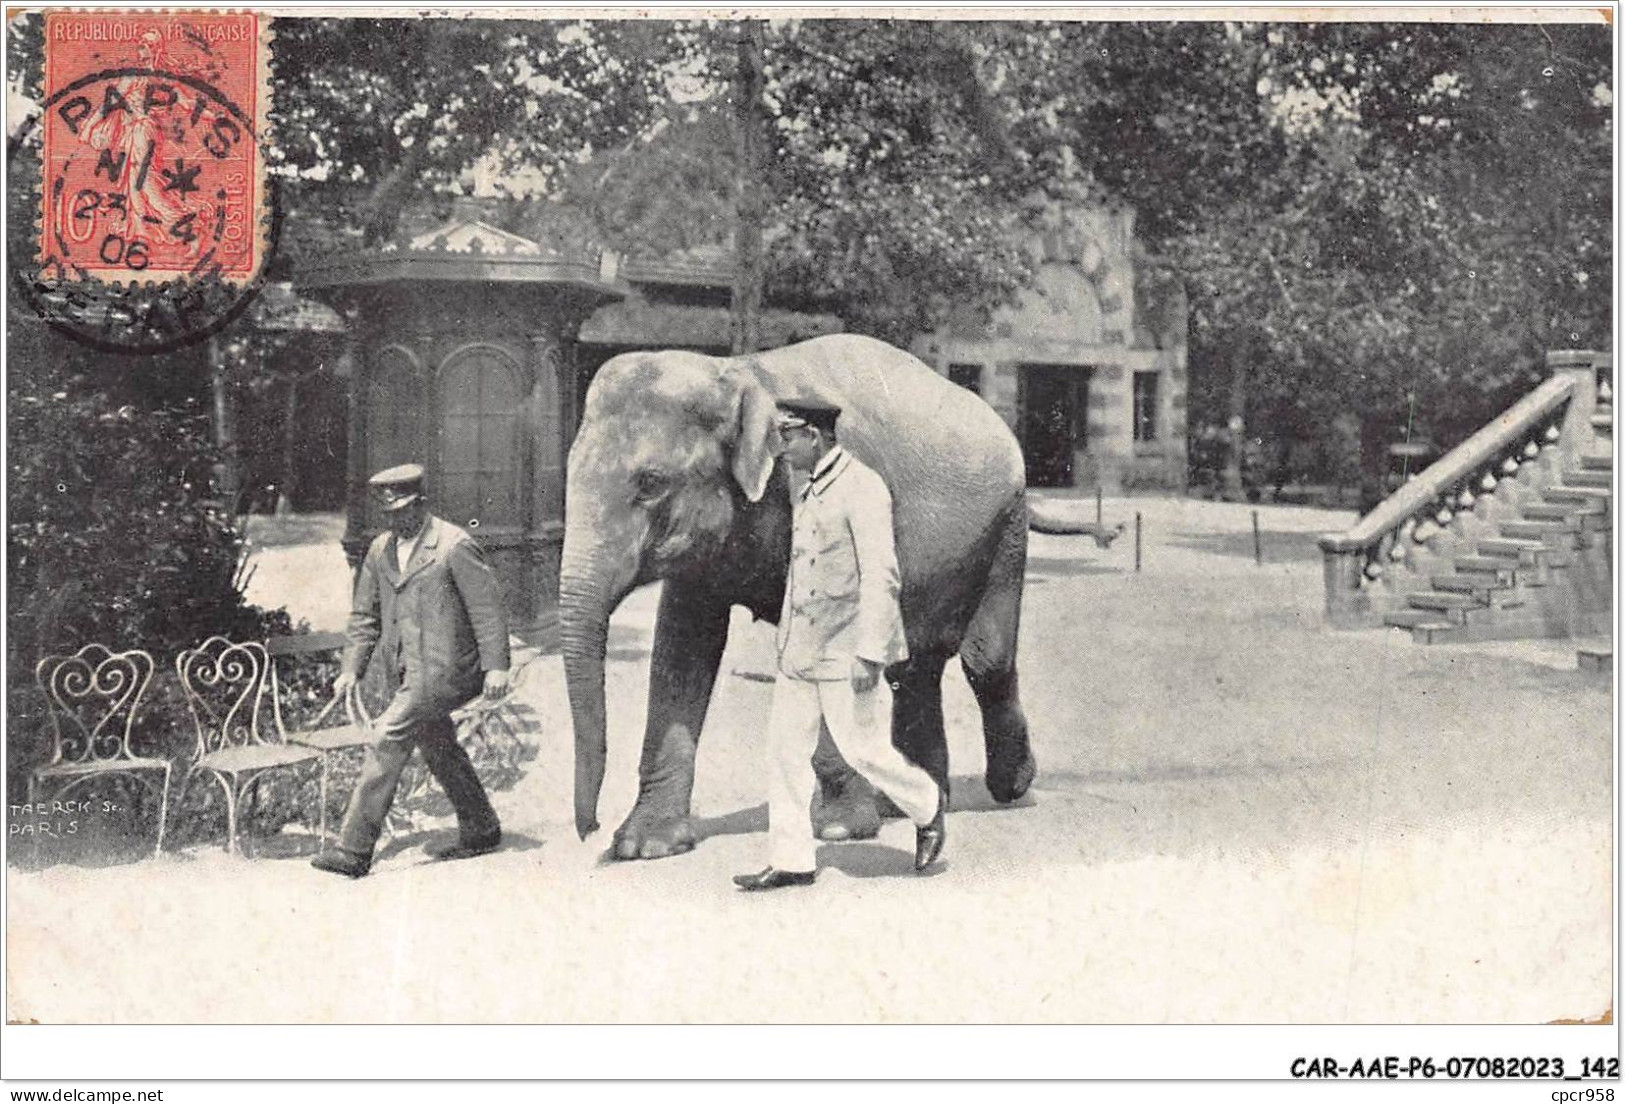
column 928, row 839
column 773, row 879
column 336, row 860
column 467, row 848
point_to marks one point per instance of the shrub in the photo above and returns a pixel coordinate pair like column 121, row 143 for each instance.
column 114, row 537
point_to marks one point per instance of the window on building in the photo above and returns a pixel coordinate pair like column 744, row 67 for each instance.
column 479, row 440
column 1145, row 405
column 968, row 376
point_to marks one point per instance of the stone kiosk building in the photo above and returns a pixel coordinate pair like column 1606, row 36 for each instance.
column 472, row 349
column 1088, row 366
column 461, row 343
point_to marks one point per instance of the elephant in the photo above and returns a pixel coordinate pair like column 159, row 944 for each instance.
column 674, row 476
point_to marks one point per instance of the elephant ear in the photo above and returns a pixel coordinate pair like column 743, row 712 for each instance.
column 756, row 436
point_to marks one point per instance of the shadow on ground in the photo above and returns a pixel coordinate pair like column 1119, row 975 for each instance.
column 442, row 837
column 1041, row 566
column 968, row 794
column 1279, row 546
column 1467, row 671
column 1076, row 783
column 867, row 860
column 740, row 822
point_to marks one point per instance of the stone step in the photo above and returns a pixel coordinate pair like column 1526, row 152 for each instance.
column 1425, row 625
column 1502, row 570
column 1589, row 478
column 1571, row 493
column 1436, row 633
column 1454, row 607
column 1562, row 528
column 1511, row 546
column 1603, row 419
column 1533, row 555
column 1598, row 461
column 1562, row 511
column 1585, row 520
column 1596, row 656
column 1480, row 586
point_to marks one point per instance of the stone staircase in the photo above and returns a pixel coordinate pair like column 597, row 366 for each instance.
column 1509, row 536
column 1517, row 583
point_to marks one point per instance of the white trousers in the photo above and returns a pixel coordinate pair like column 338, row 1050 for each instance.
column 860, row 724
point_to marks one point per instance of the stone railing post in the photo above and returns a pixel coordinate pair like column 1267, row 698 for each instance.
column 1347, row 603
column 1580, row 365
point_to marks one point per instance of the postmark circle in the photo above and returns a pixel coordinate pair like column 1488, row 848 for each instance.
column 66, row 284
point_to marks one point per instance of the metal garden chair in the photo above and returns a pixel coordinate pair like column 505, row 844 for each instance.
column 353, row 733
column 92, row 697
column 225, row 685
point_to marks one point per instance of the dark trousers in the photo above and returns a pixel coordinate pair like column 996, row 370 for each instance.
column 411, row 722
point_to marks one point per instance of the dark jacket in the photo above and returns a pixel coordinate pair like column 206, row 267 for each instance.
column 440, row 623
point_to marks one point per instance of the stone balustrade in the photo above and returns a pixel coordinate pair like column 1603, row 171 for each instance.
column 1389, row 552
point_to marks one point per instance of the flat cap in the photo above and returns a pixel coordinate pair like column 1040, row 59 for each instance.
column 807, row 411
column 399, row 486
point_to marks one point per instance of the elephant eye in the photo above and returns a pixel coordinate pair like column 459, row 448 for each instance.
column 649, row 484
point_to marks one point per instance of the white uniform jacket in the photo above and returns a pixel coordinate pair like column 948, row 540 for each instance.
column 841, row 597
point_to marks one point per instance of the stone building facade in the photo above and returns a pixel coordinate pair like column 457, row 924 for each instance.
column 1088, row 366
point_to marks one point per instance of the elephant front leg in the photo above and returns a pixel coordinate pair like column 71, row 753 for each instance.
column 691, row 630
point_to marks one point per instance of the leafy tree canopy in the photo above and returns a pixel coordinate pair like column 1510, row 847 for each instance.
column 1366, row 216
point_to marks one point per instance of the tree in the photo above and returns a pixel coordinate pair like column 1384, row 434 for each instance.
column 751, row 137
column 1366, row 214
column 896, row 195
column 360, row 135
column 888, row 190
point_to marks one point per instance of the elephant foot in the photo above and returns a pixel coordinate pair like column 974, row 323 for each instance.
column 848, row 815
column 1007, row 782
column 653, row 837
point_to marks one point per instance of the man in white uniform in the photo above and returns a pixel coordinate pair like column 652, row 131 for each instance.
column 840, row 628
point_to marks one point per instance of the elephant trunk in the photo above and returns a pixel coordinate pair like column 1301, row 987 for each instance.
column 589, row 591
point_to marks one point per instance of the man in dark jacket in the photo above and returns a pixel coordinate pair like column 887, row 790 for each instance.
column 427, row 593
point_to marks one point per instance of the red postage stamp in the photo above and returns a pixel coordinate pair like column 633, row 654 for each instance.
column 153, row 147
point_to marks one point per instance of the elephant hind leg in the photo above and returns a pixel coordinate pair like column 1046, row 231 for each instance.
column 852, row 806
column 846, row 808
column 917, row 727
column 988, row 656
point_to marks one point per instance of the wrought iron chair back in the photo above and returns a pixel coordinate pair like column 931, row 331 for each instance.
column 92, row 697
column 225, row 685
column 291, row 661
column 300, row 675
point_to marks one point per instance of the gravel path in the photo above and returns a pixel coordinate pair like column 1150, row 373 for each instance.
column 1240, row 817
